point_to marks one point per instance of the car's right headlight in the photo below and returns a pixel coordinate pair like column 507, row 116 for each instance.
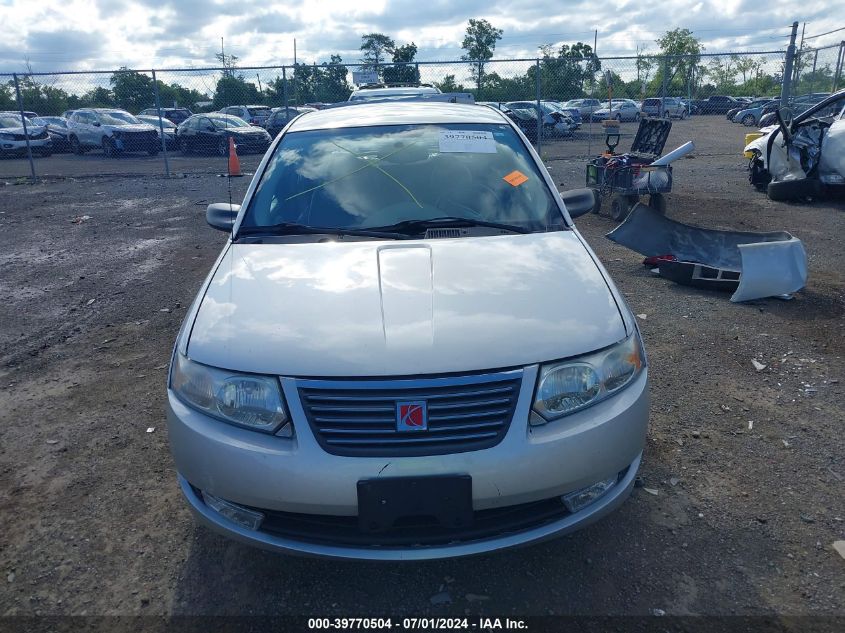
column 571, row 385
column 247, row 400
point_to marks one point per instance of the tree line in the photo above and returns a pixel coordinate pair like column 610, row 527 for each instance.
column 565, row 72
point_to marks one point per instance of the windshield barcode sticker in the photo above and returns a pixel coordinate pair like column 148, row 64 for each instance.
column 468, row 141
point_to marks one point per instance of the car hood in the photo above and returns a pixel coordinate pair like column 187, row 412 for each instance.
column 32, row 130
column 131, row 127
column 252, row 129
column 375, row 308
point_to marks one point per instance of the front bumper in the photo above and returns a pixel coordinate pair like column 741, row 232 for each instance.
column 19, row 147
column 296, row 475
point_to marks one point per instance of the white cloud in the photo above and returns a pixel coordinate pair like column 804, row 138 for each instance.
column 103, row 34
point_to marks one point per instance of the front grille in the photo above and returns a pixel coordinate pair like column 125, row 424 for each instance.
column 358, row 418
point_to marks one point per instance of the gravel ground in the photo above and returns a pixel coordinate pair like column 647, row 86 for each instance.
column 91, row 519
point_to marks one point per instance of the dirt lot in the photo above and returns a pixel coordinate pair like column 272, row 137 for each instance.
column 91, row 519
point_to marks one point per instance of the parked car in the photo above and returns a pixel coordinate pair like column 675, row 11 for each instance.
column 66, row 114
column 797, row 105
column 719, row 104
column 670, row 107
column 112, row 130
column 13, row 139
column 57, row 129
column 620, row 109
column 691, row 106
column 572, row 113
column 176, row 115
column 406, row 357
column 585, row 106
column 168, row 126
column 751, row 115
column 555, row 122
column 211, row 133
column 280, row 117
column 253, row 114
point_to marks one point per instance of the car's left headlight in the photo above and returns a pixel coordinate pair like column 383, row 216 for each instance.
column 248, row 400
column 571, row 385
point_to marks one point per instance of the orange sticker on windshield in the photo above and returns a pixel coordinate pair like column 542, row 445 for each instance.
column 515, row 178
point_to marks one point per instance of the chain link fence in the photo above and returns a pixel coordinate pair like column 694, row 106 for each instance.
column 701, row 87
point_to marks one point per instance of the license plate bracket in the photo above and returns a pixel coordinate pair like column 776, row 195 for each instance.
column 447, row 498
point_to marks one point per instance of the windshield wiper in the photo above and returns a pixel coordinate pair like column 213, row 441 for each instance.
column 293, row 228
column 419, row 226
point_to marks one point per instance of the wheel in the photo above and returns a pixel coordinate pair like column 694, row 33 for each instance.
column 76, row 146
column 618, row 117
column 619, row 207
column 109, row 149
column 657, row 201
column 596, row 201
column 223, row 147
column 153, row 149
column 45, row 153
column 183, row 146
column 684, row 114
column 794, row 189
column 749, row 120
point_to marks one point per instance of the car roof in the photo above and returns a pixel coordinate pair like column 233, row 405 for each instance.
column 396, row 113
column 392, row 90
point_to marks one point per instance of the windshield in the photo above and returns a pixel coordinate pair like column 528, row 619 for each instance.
column 11, row 120
column 366, row 177
column 117, row 117
column 221, row 122
column 50, row 120
column 263, row 111
column 154, row 121
column 616, row 103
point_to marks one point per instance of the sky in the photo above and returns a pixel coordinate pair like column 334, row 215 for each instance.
column 54, row 35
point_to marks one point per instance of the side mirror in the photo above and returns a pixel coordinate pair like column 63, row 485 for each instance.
column 221, row 215
column 96, row 124
column 579, row 201
column 209, row 128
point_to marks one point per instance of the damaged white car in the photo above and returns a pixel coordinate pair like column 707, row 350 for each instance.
column 801, row 159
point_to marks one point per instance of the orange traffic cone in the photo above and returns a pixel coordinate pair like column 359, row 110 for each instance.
column 234, row 163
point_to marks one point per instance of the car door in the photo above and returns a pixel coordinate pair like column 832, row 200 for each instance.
column 85, row 132
column 206, row 137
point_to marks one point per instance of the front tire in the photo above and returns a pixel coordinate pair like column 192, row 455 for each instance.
column 223, row 147
column 794, row 189
column 619, row 207
column 183, row 146
column 76, row 146
column 109, row 149
column 748, row 120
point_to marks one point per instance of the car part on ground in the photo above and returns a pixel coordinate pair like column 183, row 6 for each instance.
column 799, row 160
column 753, row 265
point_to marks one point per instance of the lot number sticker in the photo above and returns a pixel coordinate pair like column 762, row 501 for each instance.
column 468, row 141
column 515, row 178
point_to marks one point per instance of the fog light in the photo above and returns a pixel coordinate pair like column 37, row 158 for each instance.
column 580, row 499
column 250, row 519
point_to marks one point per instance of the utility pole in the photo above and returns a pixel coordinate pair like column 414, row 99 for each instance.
column 294, row 51
column 222, row 53
column 787, row 67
